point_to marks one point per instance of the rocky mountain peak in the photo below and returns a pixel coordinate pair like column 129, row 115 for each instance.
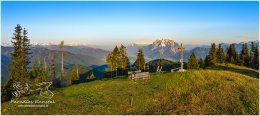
column 165, row 45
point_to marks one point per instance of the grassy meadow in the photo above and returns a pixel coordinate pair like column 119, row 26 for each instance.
column 223, row 89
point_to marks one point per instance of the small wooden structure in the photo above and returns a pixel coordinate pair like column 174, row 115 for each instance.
column 181, row 48
column 138, row 75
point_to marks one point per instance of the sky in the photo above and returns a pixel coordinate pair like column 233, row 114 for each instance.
column 103, row 23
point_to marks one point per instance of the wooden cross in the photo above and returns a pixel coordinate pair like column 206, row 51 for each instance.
column 181, row 48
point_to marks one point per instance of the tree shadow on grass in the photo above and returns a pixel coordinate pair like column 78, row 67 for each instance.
column 245, row 71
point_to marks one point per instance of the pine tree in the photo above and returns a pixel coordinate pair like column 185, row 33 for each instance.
column 139, row 64
column 34, row 70
column 202, row 63
column 256, row 58
column 244, row 56
column 110, row 61
column 91, row 77
column 193, row 63
column 26, row 48
column 251, row 55
column 45, row 71
column 20, row 59
column 52, row 66
column 206, row 61
column 221, row 57
column 39, row 76
column 74, row 74
column 232, row 55
column 118, row 59
column 123, row 59
column 213, row 54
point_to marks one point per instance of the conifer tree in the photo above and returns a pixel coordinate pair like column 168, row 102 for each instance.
column 139, row 64
column 213, row 54
column 251, row 55
column 256, row 58
column 45, row 70
column 244, row 56
column 110, row 61
column 52, row 66
column 74, row 74
column 34, row 70
column 202, row 63
column 221, row 57
column 118, row 58
column 232, row 55
column 26, row 48
column 91, row 77
column 20, row 60
column 206, row 61
column 123, row 57
column 193, row 63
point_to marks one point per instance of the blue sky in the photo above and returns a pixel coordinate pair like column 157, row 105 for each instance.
column 102, row 23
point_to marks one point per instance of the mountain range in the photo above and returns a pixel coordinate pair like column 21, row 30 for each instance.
column 85, row 55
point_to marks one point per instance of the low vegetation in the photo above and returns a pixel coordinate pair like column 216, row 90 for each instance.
column 222, row 89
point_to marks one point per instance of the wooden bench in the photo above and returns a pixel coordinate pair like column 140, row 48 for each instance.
column 138, row 75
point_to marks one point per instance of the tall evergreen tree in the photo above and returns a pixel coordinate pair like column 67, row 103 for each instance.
column 232, row 55
column 26, row 48
column 213, row 54
column 139, row 64
column 244, row 56
column 193, row 63
column 251, row 55
column 74, row 74
column 110, row 61
column 18, row 69
column 202, row 63
column 124, row 61
column 118, row 58
column 52, row 66
column 256, row 58
column 34, row 72
column 221, row 57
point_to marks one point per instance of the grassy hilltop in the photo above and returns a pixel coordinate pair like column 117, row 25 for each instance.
column 224, row 89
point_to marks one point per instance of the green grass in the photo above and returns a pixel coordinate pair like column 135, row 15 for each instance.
column 224, row 89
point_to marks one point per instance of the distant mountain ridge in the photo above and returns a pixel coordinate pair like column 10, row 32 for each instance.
column 88, row 59
column 168, row 49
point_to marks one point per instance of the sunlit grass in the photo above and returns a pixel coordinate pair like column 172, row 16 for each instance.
column 209, row 91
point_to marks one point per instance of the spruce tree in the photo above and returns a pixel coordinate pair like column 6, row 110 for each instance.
column 221, row 57
column 115, row 58
column 232, row 55
column 256, row 58
column 34, row 72
column 52, row 66
column 213, row 54
column 251, row 55
column 202, row 63
column 26, row 48
column 244, row 56
column 110, row 61
column 91, row 77
column 206, row 61
column 118, row 59
column 73, row 74
column 139, row 64
column 45, row 71
column 193, row 63
column 123, row 59
column 20, row 60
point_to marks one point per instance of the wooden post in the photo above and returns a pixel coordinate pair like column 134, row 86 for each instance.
column 181, row 48
column 62, row 56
